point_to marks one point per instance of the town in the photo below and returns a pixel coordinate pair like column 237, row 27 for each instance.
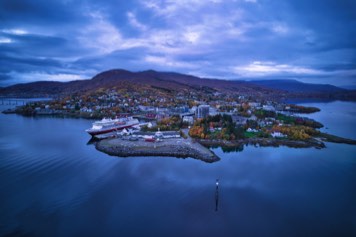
column 207, row 114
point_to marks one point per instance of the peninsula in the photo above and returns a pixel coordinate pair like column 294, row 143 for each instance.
column 213, row 112
column 184, row 147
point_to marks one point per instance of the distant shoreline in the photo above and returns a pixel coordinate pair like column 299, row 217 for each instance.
column 317, row 142
column 199, row 148
column 264, row 142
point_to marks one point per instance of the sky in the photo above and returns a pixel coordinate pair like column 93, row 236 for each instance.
column 62, row 40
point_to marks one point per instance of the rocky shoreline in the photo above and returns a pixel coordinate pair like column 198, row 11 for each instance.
column 177, row 147
column 317, row 142
column 335, row 139
column 264, row 142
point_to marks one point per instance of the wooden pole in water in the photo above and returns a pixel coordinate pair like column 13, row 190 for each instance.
column 217, row 195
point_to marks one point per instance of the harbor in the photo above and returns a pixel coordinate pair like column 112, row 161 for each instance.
column 122, row 137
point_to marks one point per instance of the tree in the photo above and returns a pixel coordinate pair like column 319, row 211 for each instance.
column 239, row 132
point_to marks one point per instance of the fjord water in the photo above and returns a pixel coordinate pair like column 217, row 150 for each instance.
column 53, row 184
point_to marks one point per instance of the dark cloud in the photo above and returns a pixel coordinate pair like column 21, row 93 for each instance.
column 334, row 22
column 40, row 12
column 126, row 59
column 24, row 64
column 339, row 66
column 308, row 40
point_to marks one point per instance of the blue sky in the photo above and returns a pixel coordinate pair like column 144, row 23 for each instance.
column 312, row 41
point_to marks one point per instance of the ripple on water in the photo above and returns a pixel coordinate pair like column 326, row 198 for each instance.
column 6, row 144
column 68, row 180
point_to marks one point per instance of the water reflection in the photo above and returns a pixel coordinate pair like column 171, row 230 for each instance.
column 217, row 195
column 59, row 186
column 92, row 141
column 228, row 149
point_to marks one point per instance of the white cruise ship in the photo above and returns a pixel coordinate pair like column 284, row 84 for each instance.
column 110, row 125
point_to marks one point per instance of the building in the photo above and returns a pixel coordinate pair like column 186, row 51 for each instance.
column 268, row 108
column 188, row 119
column 277, row 134
column 252, row 130
column 254, row 104
column 157, row 135
column 212, row 111
column 202, row 111
column 193, row 109
column 239, row 120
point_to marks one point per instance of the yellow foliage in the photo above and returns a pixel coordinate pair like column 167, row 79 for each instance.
column 296, row 132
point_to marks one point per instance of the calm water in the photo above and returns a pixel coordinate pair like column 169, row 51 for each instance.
column 53, row 184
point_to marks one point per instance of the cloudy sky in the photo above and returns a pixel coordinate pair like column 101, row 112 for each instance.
column 312, row 41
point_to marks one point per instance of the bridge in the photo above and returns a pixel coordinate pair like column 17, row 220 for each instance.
column 4, row 101
column 186, row 114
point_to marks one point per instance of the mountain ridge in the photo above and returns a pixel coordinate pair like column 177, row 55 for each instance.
column 292, row 85
column 173, row 81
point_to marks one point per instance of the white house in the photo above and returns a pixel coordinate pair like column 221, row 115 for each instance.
column 188, row 119
column 268, row 108
column 277, row 134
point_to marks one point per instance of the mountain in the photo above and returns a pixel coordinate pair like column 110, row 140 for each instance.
column 168, row 82
column 299, row 87
column 349, row 87
column 41, row 89
column 119, row 78
column 173, row 81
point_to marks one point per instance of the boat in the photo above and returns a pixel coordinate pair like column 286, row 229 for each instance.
column 150, row 139
column 109, row 125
